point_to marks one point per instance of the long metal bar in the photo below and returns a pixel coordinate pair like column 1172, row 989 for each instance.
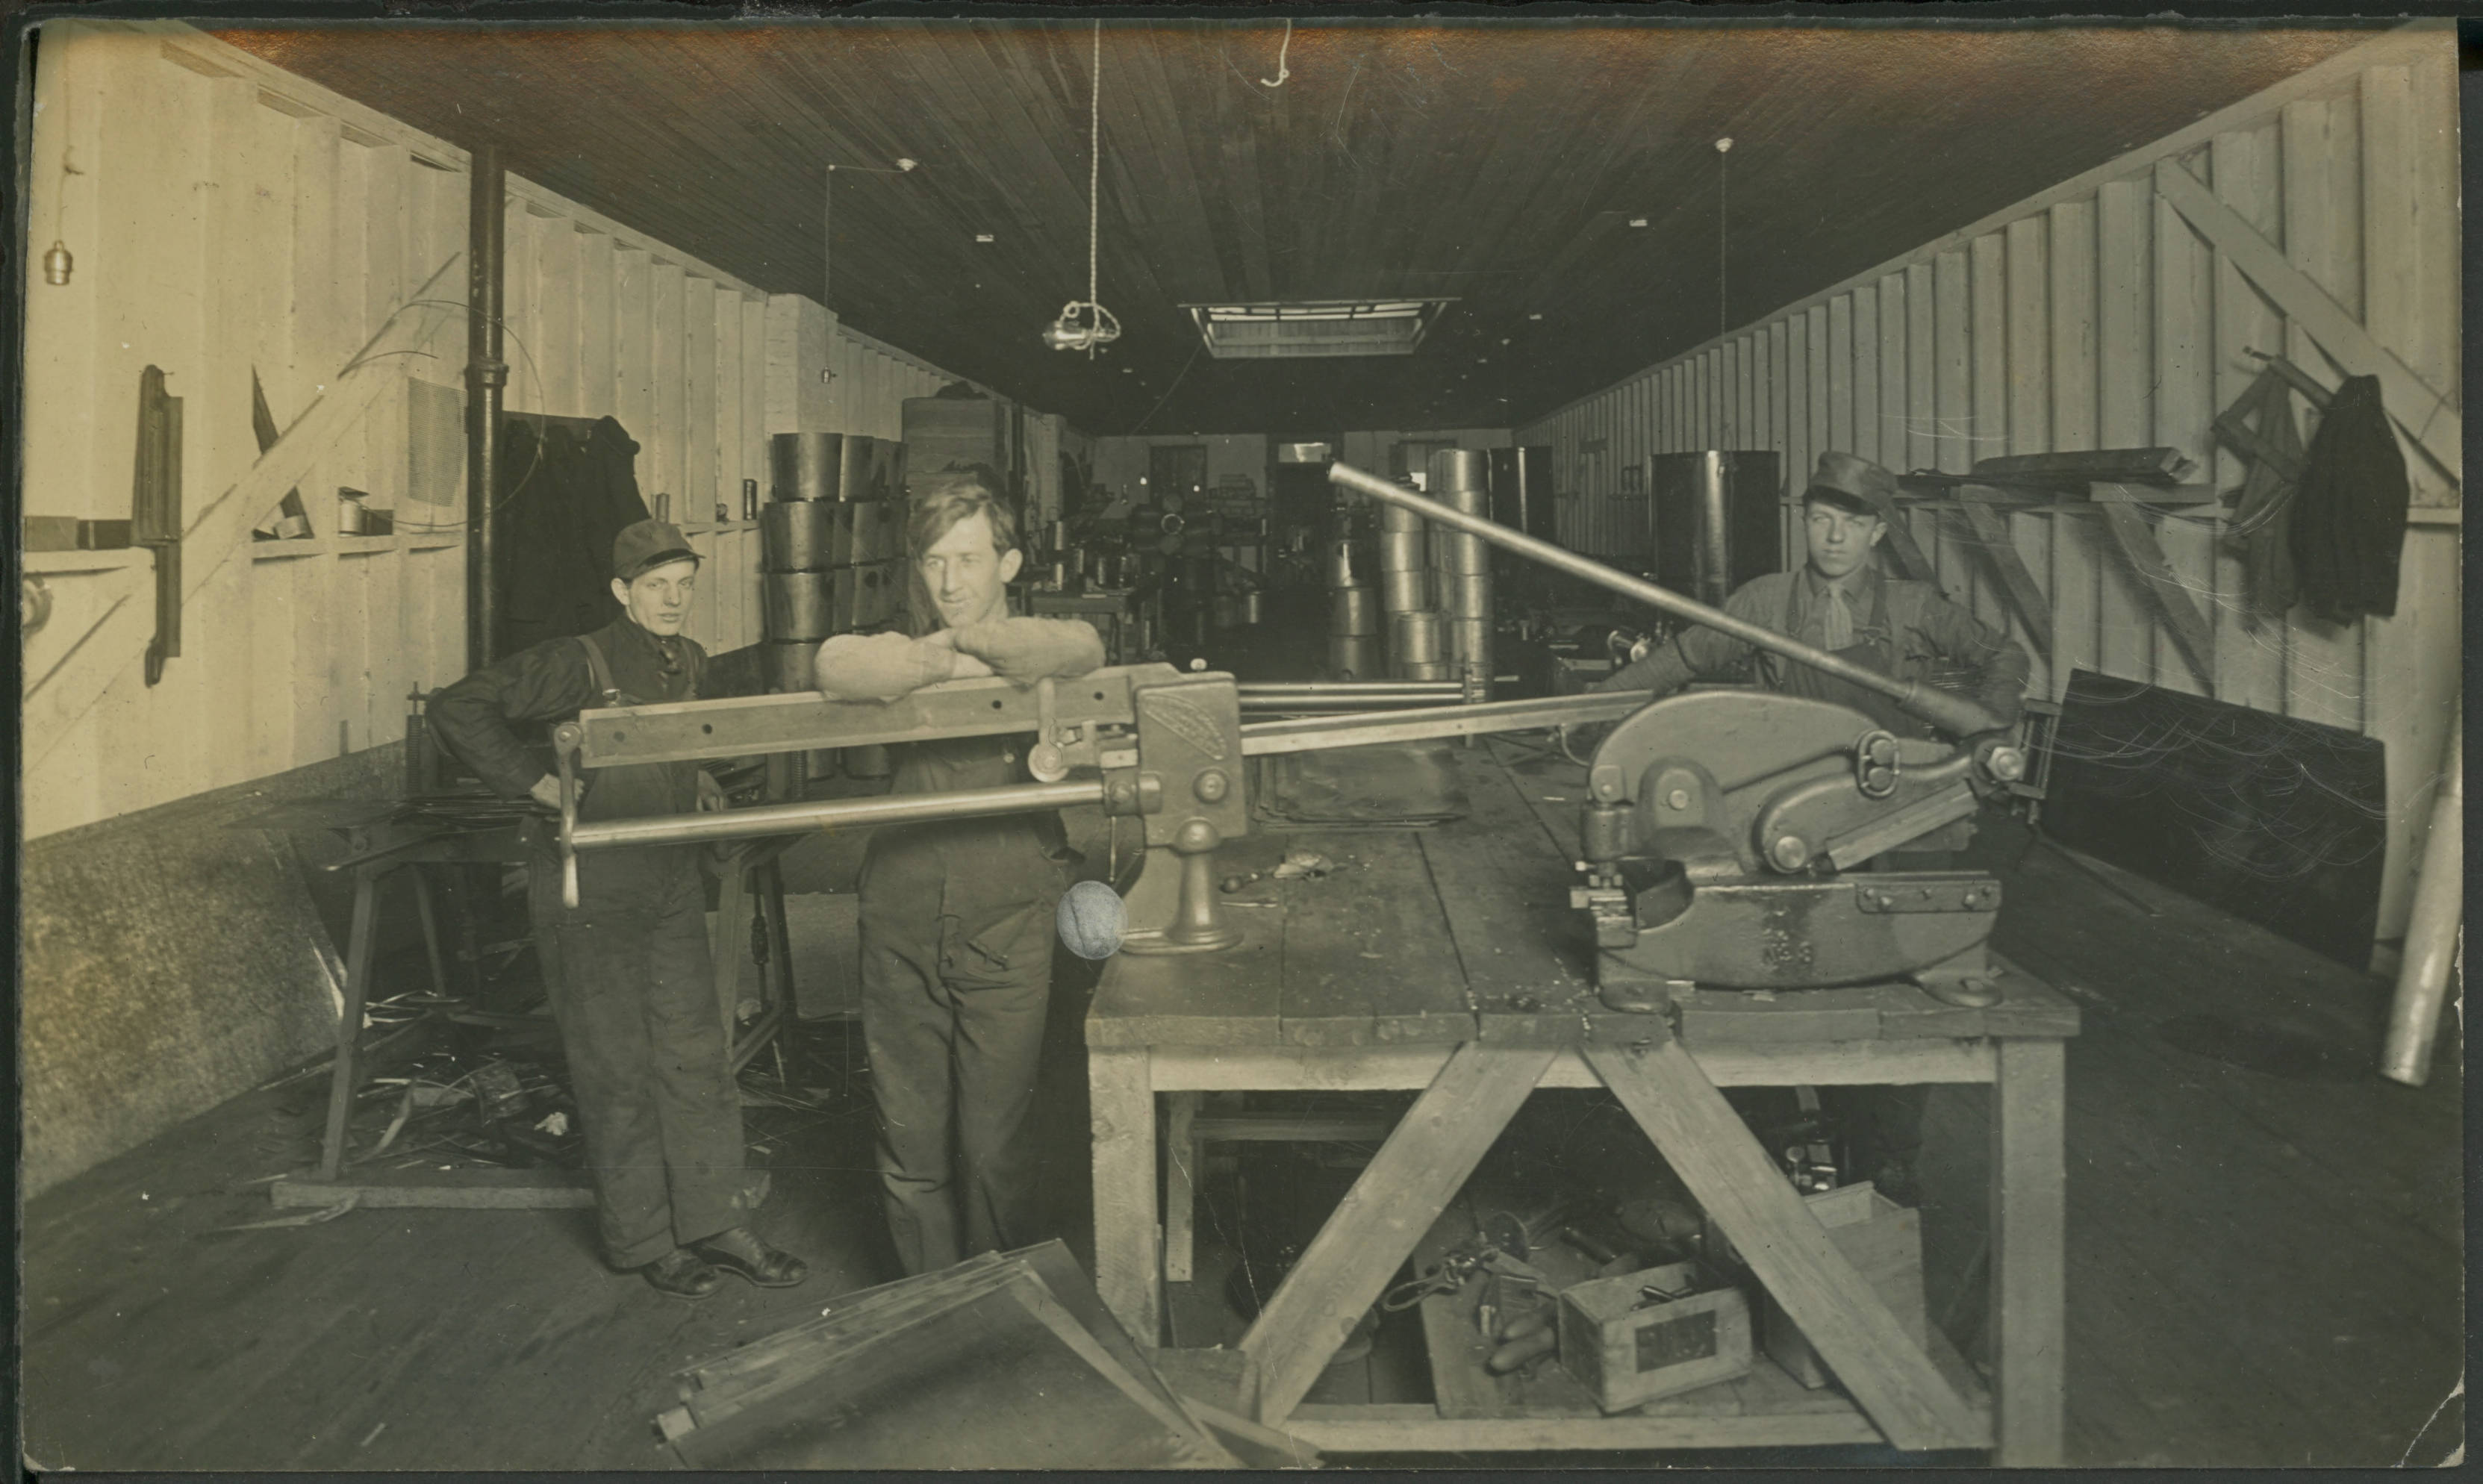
column 1265, row 704
column 1310, row 734
column 834, row 815
column 1952, row 713
column 485, row 374
column 1250, row 688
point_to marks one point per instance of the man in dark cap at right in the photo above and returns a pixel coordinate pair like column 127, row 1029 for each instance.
column 1841, row 600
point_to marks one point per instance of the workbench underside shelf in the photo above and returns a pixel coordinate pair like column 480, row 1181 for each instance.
column 1546, row 1406
column 1764, row 1408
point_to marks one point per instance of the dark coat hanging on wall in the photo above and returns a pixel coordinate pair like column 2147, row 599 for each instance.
column 2349, row 519
column 565, row 490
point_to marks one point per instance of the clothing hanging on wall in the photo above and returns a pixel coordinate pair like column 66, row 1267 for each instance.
column 567, row 489
column 2349, row 519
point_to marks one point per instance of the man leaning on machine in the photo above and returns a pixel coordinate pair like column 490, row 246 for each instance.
column 957, row 916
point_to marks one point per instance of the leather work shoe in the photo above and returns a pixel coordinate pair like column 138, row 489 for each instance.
column 682, row 1274
column 743, row 1253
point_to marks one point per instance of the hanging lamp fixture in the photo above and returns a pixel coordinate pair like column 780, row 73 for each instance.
column 1085, row 323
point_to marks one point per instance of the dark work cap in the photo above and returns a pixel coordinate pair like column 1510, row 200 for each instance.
column 1851, row 482
column 647, row 544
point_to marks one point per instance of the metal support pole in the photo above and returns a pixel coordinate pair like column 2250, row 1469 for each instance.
column 485, row 374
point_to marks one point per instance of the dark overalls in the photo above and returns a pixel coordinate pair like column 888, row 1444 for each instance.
column 956, row 974
column 628, row 970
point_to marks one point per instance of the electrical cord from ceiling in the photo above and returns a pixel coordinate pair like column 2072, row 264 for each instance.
column 1067, row 334
column 1282, row 71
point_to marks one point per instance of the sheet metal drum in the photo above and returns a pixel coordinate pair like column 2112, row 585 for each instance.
column 1415, row 646
column 1354, row 658
column 1352, row 613
column 798, row 605
column 798, row 535
column 1458, row 478
column 809, row 465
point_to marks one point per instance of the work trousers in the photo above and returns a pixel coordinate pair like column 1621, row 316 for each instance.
column 953, row 1015
column 634, row 995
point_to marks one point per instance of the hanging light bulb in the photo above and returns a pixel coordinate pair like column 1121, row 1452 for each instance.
column 57, row 265
column 1075, row 330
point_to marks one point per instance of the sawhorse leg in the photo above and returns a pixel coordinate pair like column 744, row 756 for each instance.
column 1789, row 1251
column 349, row 1021
column 1398, row 1197
column 2028, row 1243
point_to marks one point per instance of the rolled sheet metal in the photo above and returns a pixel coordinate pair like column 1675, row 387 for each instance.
column 874, row 530
column 797, row 536
column 1343, row 566
column 1437, row 670
column 1393, row 518
column 1352, row 612
column 1467, row 597
column 808, row 466
column 1403, row 591
column 1469, row 646
column 1353, row 657
column 1405, row 551
column 1455, row 471
column 1415, row 637
column 788, row 664
column 862, row 761
column 798, row 605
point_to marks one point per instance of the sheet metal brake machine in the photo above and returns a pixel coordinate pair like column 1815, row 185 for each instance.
column 1719, row 841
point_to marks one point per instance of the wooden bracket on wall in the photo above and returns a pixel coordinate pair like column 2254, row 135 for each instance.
column 2430, row 418
column 2135, row 540
column 2017, row 584
column 56, row 700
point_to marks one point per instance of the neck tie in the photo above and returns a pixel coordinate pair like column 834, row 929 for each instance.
column 1836, row 625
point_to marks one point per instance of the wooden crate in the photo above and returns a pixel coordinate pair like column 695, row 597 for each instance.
column 1626, row 1354
column 1885, row 1242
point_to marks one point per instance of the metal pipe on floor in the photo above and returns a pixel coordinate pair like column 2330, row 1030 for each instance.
column 2432, row 934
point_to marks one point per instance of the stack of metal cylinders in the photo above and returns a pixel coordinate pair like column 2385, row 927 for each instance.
column 828, row 549
column 1353, row 616
column 1461, row 479
column 1406, row 593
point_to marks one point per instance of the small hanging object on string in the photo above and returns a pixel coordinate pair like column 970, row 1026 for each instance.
column 1085, row 323
column 56, row 265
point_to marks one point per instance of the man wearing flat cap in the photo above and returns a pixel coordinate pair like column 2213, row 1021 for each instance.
column 630, row 983
column 1841, row 600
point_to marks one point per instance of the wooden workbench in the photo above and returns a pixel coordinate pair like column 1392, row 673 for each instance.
column 1449, row 959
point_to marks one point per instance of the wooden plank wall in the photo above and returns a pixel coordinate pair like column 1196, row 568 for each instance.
column 2096, row 315
column 227, row 216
